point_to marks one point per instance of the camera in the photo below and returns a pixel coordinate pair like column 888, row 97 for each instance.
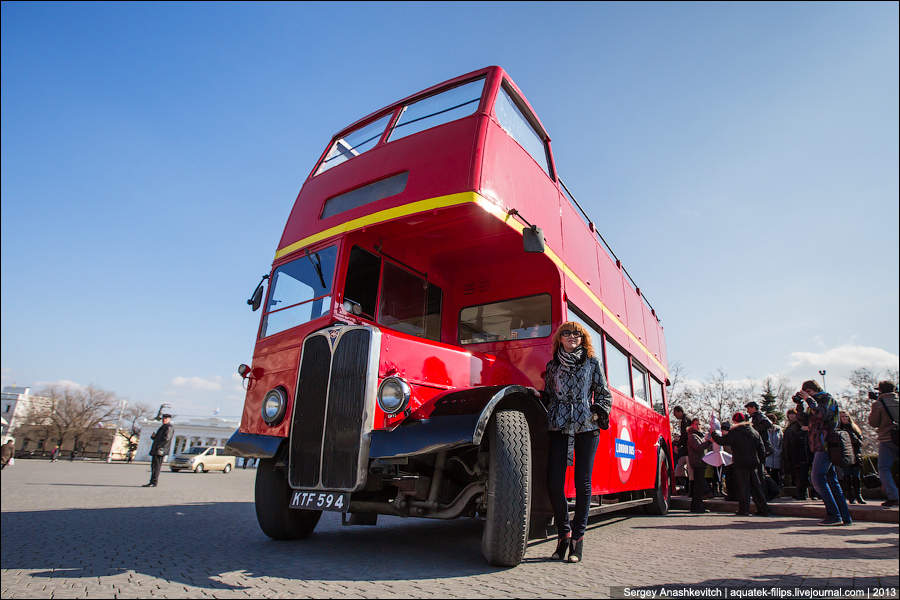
column 797, row 398
column 873, row 395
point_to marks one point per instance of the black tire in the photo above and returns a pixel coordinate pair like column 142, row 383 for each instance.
column 198, row 468
column 660, row 504
column 174, row 470
column 227, row 468
column 273, row 494
column 508, row 490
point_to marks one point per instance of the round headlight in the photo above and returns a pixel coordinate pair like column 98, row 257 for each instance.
column 274, row 406
column 393, row 395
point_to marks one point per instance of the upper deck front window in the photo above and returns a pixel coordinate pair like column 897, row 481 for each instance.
column 353, row 144
column 455, row 103
column 301, row 291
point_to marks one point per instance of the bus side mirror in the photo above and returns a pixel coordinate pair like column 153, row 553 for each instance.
column 533, row 239
column 256, row 299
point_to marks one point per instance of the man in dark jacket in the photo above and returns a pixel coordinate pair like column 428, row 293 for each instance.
column 6, row 452
column 696, row 449
column 795, row 454
column 761, row 424
column 748, row 452
column 161, row 440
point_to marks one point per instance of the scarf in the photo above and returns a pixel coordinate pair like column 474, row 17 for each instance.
column 568, row 361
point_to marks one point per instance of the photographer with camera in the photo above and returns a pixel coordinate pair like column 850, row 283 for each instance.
column 883, row 418
column 823, row 419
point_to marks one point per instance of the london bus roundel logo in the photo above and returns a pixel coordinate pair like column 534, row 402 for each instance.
column 624, row 452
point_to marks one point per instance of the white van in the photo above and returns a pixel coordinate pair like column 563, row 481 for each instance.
column 202, row 458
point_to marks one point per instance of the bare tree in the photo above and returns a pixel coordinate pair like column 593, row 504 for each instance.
column 132, row 431
column 71, row 411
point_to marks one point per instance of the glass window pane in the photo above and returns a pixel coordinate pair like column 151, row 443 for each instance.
column 361, row 285
column 596, row 338
column 453, row 104
column 639, row 384
column 402, row 304
column 617, row 371
column 516, row 319
column 516, row 125
column 295, row 315
column 656, row 389
column 390, row 186
column 294, row 286
column 354, row 143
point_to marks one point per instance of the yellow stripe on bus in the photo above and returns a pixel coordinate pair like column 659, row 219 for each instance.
column 454, row 200
column 501, row 214
column 380, row 216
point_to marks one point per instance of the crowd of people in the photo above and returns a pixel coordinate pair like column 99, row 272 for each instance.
column 819, row 451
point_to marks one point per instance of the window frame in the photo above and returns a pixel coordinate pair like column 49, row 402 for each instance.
column 629, row 393
column 459, row 316
column 645, row 373
column 382, row 260
column 270, row 288
column 401, row 109
column 519, row 103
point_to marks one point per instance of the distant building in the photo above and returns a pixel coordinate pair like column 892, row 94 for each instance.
column 189, row 432
column 15, row 405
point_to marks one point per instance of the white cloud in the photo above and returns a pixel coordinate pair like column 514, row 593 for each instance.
column 198, row 383
column 847, row 356
column 65, row 383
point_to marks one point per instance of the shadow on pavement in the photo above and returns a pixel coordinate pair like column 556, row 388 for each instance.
column 210, row 544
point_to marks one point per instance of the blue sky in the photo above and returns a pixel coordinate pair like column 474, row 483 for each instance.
column 740, row 158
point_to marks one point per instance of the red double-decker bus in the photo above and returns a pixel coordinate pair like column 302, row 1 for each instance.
column 427, row 261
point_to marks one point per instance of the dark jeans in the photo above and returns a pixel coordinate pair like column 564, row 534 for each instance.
column 748, row 484
column 801, row 479
column 585, row 449
column 698, row 489
column 155, row 466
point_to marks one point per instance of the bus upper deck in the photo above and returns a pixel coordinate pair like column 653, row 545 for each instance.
column 431, row 180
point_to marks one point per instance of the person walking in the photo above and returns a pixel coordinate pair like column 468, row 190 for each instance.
column 697, row 448
column 851, row 477
column 54, row 454
column 161, row 440
column 883, row 417
column 7, row 452
column 823, row 419
column 574, row 377
column 776, row 439
column 748, row 452
column 795, row 454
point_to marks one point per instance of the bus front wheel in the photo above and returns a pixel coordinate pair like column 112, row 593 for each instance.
column 508, row 490
column 272, row 495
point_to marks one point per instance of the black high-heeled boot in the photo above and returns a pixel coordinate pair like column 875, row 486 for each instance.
column 561, row 545
column 575, row 549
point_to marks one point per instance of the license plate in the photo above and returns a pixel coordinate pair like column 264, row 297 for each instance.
column 336, row 501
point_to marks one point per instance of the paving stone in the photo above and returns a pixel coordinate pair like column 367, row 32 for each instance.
column 88, row 530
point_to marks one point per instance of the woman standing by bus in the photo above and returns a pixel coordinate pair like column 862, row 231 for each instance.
column 573, row 379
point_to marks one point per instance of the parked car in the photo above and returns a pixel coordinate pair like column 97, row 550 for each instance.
column 203, row 458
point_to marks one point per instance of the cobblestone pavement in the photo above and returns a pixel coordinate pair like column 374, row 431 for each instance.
column 88, row 530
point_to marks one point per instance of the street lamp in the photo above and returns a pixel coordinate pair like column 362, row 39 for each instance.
column 822, row 373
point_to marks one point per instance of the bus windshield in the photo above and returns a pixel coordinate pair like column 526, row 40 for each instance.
column 301, row 291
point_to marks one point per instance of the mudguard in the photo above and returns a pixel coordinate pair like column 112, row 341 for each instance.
column 458, row 418
column 253, row 445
